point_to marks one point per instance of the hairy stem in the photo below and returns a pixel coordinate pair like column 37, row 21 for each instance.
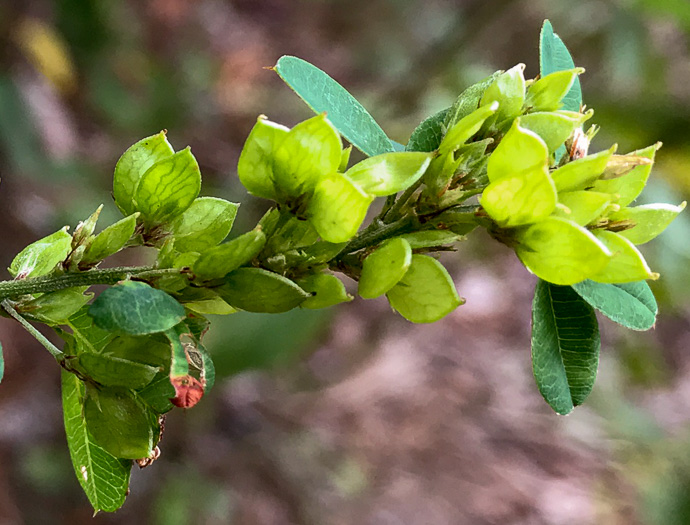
column 9, row 289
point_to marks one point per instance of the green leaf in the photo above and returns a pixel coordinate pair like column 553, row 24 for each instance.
column 258, row 290
column 42, row 256
column 204, row 224
column 554, row 127
column 565, row 346
column 2, row 364
column 649, row 220
column 630, row 304
column 135, row 308
column 152, row 350
column 120, row 423
column 426, row 293
column 389, row 173
column 427, row 136
column 508, row 89
column 179, row 365
column 337, row 208
column 104, row 478
column 57, row 307
column 255, row 167
column 383, row 268
column 547, row 93
column 626, row 265
column 519, row 150
column 582, row 207
column 561, row 252
column 326, row 289
column 211, row 306
column 554, row 56
column 310, row 151
column 323, row 94
column 111, row 240
column 168, row 187
column 87, row 337
column 629, row 186
column 581, row 173
column 466, row 128
column 468, row 101
column 158, row 393
column 133, row 164
column 521, row 198
column 108, row 370
column 345, row 158
column 431, row 238
column 220, row 260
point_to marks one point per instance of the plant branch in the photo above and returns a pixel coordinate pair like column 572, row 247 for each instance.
column 54, row 351
column 15, row 288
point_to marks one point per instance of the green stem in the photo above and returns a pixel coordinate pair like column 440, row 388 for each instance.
column 393, row 213
column 377, row 232
column 55, row 352
column 9, row 289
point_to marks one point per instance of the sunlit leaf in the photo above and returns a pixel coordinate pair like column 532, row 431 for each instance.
column 168, row 187
column 508, row 89
column 582, row 207
column 220, row 260
column 323, row 94
column 580, row 173
column 426, row 293
column 565, row 346
column 554, row 127
column 547, row 93
column 626, row 265
column 310, row 151
column 519, row 150
column 629, row 186
column 649, row 220
column 111, row 240
column 520, row 198
column 42, row 256
column 389, row 173
column 561, row 252
column 132, row 166
column 466, row 128
column 383, row 268
column 204, row 224
column 326, row 289
column 57, row 307
column 255, row 167
column 338, row 207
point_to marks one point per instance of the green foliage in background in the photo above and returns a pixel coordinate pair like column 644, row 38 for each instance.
column 509, row 156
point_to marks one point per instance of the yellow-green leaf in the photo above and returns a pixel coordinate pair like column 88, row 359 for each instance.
column 389, row 173
column 649, row 220
column 582, row 207
column 255, row 167
column 519, row 150
column 626, row 265
column 383, row 268
column 580, row 173
column 629, row 186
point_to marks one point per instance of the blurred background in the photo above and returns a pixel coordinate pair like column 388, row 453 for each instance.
column 349, row 416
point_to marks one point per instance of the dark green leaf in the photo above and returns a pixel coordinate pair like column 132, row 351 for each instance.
column 158, row 393
column 120, row 423
column 554, row 56
column 109, row 370
column 631, row 304
column 41, row 257
column 135, row 308
column 104, row 478
column 258, row 290
column 57, row 307
column 86, row 336
column 427, row 136
column 468, row 100
column 152, row 350
column 565, row 346
column 323, row 94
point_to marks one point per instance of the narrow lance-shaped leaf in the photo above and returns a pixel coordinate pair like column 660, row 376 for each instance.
column 554, row 56
column 104, row 478
column 110, row 240
column 135, row 308
column 323, row 94
column 631, row 304
column 565, row 346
